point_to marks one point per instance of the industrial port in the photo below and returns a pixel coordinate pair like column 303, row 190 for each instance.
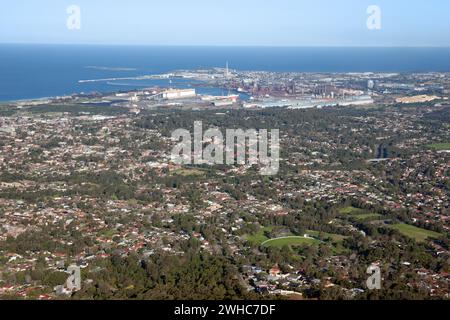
column 228, row 88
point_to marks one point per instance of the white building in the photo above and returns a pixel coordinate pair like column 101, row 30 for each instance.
column 173, row 94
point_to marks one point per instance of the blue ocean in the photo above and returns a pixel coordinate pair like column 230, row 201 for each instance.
column 36, row 71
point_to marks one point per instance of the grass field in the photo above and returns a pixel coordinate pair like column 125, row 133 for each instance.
column 336, row 240
column 259, row 237
column 352, row 210
column 334, row 237
column 416, row 233
column 440, row 146
column 359, row 214
column 289, row 241
column 186, row 172
column 367, row 216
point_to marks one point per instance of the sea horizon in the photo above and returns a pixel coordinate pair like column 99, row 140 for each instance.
column 34, row 71
column 220, row 45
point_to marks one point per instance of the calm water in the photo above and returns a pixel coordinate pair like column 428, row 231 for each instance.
column 34, row 71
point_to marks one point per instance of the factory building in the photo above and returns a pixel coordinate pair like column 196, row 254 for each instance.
column 174, row 94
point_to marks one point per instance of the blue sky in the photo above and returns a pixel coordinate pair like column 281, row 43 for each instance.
column 228, row 22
